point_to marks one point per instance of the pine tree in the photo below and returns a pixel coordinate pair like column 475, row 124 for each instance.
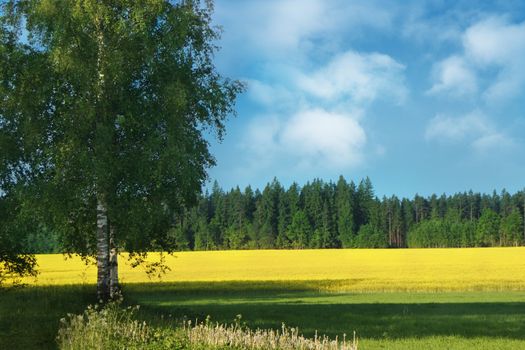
column 313, row 203
column 266, row 215
column 284, row 219
column 364, row 203
column 236, row 233
column 345, row 213
column 299, row 231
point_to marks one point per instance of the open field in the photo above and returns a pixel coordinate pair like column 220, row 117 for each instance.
column 348, row 269
column 29, row 317
column 393, row 299
column 391, row 320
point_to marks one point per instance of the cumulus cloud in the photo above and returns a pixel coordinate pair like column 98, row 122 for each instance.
column 356, row 76
column 311, row 137
column 495, row 41
column 312, row 91
column 493, row 44
column 474, row 128
column 453, row 75
column 336, row 139
column 317, row 118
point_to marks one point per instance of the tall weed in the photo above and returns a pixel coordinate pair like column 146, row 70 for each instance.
column 114, row 327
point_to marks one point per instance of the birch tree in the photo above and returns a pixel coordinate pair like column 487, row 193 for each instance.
column 109, row 103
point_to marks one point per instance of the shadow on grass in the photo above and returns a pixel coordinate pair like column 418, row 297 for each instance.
column 370, row 315
column 30, row 316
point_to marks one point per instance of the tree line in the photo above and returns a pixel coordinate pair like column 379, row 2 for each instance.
column 336, row 215
column 347, row 215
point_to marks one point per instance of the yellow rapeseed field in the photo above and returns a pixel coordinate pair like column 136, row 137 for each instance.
column 341, row 269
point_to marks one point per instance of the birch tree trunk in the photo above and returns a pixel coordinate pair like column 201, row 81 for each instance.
column 102, row 252
column 114, row 289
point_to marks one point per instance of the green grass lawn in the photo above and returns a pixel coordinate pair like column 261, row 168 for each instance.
column 29, row 317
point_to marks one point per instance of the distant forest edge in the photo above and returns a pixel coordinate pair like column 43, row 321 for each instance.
column 337, row 215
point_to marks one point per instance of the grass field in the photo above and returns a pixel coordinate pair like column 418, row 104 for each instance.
column 393, row 299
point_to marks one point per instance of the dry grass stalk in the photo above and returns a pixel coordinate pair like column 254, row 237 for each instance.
column 238, row 337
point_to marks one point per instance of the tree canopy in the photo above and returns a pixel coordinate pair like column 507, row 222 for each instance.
column 104, row 111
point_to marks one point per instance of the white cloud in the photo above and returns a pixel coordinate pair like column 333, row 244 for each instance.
column 473, row 128
column 277, row 29
column 491, row 44
column 492, row 141
column 315, row 120
column 324, row 137
column 348, row 81
column 497, row 43
column 453, row 75
column 457, row 129
column 303, row 76
column 283, row 27
column 358, row 77
column 310, row 138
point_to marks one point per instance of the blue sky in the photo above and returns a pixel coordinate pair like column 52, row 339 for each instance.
column 422, row 97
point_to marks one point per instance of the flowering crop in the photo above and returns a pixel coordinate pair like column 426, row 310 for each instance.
column 330, row 269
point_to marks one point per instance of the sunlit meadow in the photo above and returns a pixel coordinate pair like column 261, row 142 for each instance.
column 341, row 270
column 393, row 298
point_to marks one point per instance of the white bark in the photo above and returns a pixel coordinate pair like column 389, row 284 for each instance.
column 114, row 289
column 103, row 240
column 102, row 252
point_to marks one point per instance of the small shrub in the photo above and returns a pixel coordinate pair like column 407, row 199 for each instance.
column 109, row 327
column 113, row 327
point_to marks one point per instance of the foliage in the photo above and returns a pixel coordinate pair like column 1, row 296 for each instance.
column 299, row 231
column 112, row 327
column 104, row 115
column 370, row 237
column 441, row 233
column 325, row 215
column 16, row 225
column 328, row 215
column 13, row 267
column 511, row 230
column 107, row 328
column 488, row 228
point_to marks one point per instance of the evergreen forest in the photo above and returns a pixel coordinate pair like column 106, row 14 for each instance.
column 337, row 215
